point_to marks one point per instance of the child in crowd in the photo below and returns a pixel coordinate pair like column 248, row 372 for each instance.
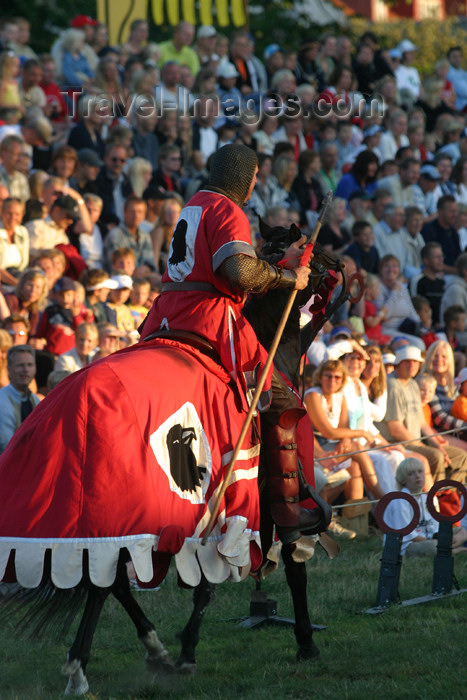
column 454, row 322
column 79, row 305
column 421, row 541
column 117, row 301
column 60, row 319
column 459, row 407
column 139, row 296
column 123, row 261
column 98, row 285
column 427, row 385
column 388, row 358
column 426, row 331
column 372, row 319
column 52, row 262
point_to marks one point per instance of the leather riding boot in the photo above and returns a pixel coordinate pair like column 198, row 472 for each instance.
column 283, row 482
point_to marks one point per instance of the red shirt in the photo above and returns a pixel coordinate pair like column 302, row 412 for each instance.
column 55, row 98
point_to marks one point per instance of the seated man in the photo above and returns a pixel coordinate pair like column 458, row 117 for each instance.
column 16, row 400
column 362, row 250
column 442, row 230
column 130, row 235
column 404, row 416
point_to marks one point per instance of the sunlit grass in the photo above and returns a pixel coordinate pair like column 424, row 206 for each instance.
column 416, row 652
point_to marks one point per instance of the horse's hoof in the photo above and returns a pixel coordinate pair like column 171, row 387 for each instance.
column 187, row 668
column 77, row 683
column 310, row 651
column 160, row 664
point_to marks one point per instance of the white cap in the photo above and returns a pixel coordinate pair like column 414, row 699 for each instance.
column 389, row 358
column 338, row 349
column 406, row 45
column 206, row 31
column 408, row 352
column 123, row 281
column 105, row 284
column 227, row 70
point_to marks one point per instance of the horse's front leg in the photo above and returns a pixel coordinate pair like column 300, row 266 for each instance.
column 157, row 656
column 203, row 594
column 296, row 578
column 78, row 656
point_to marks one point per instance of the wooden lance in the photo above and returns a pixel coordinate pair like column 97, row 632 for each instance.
column 305, row 259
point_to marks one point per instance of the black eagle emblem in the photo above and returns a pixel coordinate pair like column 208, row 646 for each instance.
column 183, row 467
column 179, row 243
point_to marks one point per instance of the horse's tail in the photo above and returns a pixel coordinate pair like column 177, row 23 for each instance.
column 45, row 609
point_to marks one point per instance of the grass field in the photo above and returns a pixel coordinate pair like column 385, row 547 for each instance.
column 415, row 652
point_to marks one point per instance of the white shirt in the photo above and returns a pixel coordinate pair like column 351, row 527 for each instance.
column 407, row 78
column 92, row 248
column 207, row 142
column 16, row 254
column 388, row 145
column 44, row 233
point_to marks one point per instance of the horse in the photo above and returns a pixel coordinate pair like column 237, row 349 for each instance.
column 66, row 531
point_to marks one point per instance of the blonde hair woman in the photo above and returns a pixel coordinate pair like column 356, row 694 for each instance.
column 140, row 173
column 6, row 342
column 29, row 297
column 9, row 90
column 328, row 412
column 108, row 78
column 439, row 360
column 374, row 379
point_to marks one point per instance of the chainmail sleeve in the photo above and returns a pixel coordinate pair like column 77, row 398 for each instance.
column 253, row 275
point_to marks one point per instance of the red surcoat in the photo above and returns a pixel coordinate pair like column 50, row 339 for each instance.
column 210, row 229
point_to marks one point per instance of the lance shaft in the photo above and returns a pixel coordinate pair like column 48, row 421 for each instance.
column 305, row 259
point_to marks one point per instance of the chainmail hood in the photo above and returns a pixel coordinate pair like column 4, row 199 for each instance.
column 231, row 172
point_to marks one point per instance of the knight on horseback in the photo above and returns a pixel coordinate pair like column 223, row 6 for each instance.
column 214, row 264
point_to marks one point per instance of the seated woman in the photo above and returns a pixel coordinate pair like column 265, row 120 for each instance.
column 421, row 541
column 333, row 236
column 306, row 186
column 361, row 177
column 328, row 412
column 29, row 297
column 385, row 461
column 5, row 343
column 454, row 450
column 439, row 361
column 395, row 297
column 14, row 241
column 331, row 475
column 75, row 67
column 374, row 379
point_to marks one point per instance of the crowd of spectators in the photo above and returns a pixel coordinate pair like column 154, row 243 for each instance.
column 101, row 146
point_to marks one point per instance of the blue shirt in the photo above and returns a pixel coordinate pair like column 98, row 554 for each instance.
column 72, row 67
column 458, row 78
column 10, row 412
column 348, row 184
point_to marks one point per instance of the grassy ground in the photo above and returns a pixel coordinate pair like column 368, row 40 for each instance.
column 415, row 652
